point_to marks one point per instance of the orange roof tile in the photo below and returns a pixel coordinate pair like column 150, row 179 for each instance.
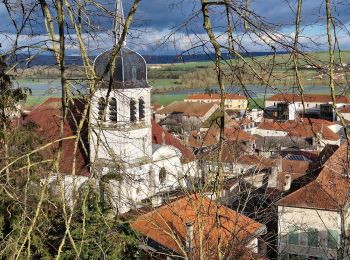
column 188, row 108
column 308, row 98
column 157, row 138
column 47, row 116
column 330, row 189
column 214, row 96
column 302, row 128
column 211, row 136
column 166, row 225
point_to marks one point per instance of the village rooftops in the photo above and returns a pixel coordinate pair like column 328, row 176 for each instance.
column 195, row 109
column 305, row 128
column 162, row 137
column 330, row 189
column 177, row 226
column 313, row 98
column 211, row 136
column 215, row 96
column 47, row 118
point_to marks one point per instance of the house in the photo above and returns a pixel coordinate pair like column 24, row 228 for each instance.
column 289, row 106
column 313, row 222
column 182, row 116
column 232, row 101
column 317, row 132
column 205, row 140
column 188, row 228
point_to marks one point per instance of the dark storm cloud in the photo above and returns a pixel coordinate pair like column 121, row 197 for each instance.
column 165, row 14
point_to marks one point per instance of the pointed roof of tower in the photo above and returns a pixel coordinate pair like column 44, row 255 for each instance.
column 118, row 20
column 130, row 68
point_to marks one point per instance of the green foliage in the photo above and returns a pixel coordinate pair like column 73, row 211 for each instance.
column 9, row 96
column 96, row 233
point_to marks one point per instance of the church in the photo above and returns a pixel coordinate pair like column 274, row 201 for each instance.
column 124, row 149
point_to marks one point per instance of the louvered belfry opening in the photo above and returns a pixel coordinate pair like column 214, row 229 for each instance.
column 132, row 110
column 101, row 109
column 113, row 113
column 141, row 109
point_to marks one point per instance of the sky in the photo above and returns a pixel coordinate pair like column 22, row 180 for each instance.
column 158, row 26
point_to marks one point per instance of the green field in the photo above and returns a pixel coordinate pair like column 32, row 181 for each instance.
column 165, row 99
column 171, row 77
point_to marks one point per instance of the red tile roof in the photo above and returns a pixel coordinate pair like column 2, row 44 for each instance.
column 308, row 98
column 157, row 138
column 331, row 188
column 302, row 128
column 210, row 137
column 188, row 108
column 47, row 116
column 166, row 225
column 215, row 96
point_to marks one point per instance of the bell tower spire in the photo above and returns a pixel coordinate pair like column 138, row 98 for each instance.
column 118, row 21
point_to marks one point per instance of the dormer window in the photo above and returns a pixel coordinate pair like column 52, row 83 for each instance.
column 141, row 109
column 132, row 110
column 101, row 105
column 113, row 113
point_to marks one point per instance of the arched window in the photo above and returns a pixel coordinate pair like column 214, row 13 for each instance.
column 132, row 110
column 162, row 175
column 113, row 113
column 141, row 109
column 101, row 109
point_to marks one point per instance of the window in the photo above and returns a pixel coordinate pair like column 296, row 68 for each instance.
column 132, row 110
column 133, row 73
column 312, row 237
column 141, row 109
column 274, row 104
column 101, row 105
column 307, row 105
column 316, row 105
column 113, row 110
column 162, row 175
column 293, row 235
column 332, row 238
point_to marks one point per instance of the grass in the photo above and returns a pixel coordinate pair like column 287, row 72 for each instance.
column 163, row 83
column 164, row 99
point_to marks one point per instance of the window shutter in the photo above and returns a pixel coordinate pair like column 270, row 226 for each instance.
column 332, row 238
column 312, row 237
column 293, row 235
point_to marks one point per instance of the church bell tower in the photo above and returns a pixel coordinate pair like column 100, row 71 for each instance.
column 120, row 110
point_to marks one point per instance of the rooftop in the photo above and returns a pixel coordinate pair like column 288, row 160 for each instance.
column 305, row 127
column 47, row 116
column 316, row 98
column 158, row 133
column 166, row 226
column 330, row 189
column 188, row 108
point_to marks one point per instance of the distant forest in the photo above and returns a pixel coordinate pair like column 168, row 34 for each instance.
column 23, row 60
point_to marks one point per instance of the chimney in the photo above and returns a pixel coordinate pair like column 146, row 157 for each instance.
column 287, row 182
column 189, row 239
column 280, row 164
column 272, row 181
column 163, row 137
